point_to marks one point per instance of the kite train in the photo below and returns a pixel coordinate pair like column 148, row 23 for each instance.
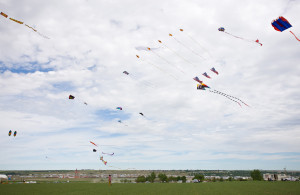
column 202, row 86
column 19, row 22
column 281, row 24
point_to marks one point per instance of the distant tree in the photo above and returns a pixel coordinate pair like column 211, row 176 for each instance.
column 141, row 179
column 221, row 179
column 230, row 178
column 256, row 175
column 183, row 178
column 152, row 177
column 171, row 178
column 199, row 177
column 214, row 179
column 163, row 177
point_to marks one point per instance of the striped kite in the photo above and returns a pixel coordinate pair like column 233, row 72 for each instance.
column 281, row 24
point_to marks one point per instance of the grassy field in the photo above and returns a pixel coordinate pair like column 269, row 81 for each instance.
column 223, row 188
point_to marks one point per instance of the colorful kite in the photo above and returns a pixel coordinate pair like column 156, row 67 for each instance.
column 281, row 24
column 198, row 80
column 9, row 133
column 19, row 22
column 93, row 143
column 206, row 75
column 15, row 133
column 222, row 29
column 214, row 70
column 119, row 108
column 71, row 97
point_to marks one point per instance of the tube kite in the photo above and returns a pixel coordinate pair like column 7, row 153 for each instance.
column 281, row 24
column 222, row 29
column 15, row 133
column 9, row 133
column 108, row 153
column 93, row 143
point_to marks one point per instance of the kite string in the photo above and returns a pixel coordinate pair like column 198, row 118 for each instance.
column 215, row 91
column 159, row 68
column 167, row 61
column 233, row 97
column 198, row 43
column 188, row 48
column 178, row 55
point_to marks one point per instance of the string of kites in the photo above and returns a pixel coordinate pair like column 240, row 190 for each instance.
column 19, row 22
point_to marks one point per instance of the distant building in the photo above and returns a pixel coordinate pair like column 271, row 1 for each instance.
column 3, row 178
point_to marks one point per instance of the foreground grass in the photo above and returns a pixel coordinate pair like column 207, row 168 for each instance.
column 223, row 188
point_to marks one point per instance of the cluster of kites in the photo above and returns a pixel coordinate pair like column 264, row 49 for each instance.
column 10, row 132
column 103, row 153
column 280, row 24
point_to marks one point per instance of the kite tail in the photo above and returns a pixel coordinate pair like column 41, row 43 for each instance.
column 225, row 95
column 235, row 98
column 243, row 38
column 295, row 36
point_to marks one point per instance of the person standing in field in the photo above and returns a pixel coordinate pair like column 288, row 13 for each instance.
column 109, row 180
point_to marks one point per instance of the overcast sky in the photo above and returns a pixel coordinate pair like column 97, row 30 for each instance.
column 91, row 43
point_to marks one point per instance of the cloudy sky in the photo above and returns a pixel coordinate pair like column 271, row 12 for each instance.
column 91, row 43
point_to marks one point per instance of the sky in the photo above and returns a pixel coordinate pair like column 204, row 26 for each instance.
column 81, row 48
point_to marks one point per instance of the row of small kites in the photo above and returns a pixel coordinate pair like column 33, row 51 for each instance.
column 20, row 22
column 280, row 24
column 10, row 132
column 72, row 97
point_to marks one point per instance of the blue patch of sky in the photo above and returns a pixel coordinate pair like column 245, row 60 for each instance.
column 25, row 68
column 65, row 86
column 110, row 115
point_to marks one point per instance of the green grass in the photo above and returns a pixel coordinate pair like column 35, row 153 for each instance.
column 230, row 188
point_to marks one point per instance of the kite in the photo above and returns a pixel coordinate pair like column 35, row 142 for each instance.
column 20, row 22
column 214, row 70
column 15, row 133
column 222, row 29
column 93, row 143
column 281, row 24
column 101, row 158
column 71, row 97
column 149, row 84
column 119, row 108
column 94, row 150
column 108, row 153
column 206, row 75
column 198, row 80
column 9, row 133
column 141, row 114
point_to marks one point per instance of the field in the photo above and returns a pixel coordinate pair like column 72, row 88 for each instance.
column 230, row 188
